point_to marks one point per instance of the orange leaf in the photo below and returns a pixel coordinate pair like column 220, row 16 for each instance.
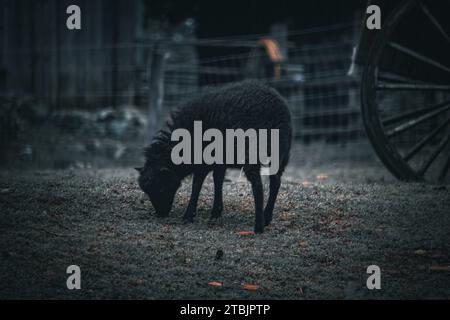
column 251, row 287
column 246, row 233
column 215, row 283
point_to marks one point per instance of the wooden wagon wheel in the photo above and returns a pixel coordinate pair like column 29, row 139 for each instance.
column 405, row 94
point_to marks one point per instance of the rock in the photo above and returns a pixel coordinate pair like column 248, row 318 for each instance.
column 219, row 254
column 5, row 191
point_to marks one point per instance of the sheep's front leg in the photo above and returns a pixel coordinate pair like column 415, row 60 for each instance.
column 197, row 182
column 219, row 177
column 254, row 176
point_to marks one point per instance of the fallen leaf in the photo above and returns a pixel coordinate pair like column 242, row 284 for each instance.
column 251, row 287
column 440, row 268
column 420, row 252
column 246, row 233
column 303, row 243
column 215, row 283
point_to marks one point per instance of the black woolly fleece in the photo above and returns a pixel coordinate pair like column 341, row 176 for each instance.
column 241, row 105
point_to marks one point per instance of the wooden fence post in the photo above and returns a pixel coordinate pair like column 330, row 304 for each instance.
column 155, row 82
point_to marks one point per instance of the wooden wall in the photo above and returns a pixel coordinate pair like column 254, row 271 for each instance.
column 39, row 56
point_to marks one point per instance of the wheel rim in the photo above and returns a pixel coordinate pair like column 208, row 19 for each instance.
column 402, row 139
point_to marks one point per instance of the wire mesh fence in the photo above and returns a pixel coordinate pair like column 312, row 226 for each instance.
column 92, row 105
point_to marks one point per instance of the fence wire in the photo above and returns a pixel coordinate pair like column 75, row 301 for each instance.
column 88, row 106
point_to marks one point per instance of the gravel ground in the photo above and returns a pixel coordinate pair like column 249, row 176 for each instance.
column 324, row 235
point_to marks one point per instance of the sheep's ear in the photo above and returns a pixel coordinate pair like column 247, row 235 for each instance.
column 139, row 169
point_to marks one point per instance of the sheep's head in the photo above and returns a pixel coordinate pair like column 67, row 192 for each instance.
column 160, row 184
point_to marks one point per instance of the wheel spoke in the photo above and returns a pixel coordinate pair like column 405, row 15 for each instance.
column 412, row 123
column 434, row 21
column 389, row 76
column 444, row 169
column 434, row 155
column 414, row 150
column 419, row 56
column 414, row 113
column 412, row 86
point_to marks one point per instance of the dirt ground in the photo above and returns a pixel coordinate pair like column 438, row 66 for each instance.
column 325, row 234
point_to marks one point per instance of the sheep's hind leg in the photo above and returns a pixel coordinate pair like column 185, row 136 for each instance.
column 197, row 182
column 219, row 177
column 254, row 176
column 275, row 181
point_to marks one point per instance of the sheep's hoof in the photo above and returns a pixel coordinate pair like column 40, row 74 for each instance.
column 259, row 229
column 216, row 213
column 214, row 221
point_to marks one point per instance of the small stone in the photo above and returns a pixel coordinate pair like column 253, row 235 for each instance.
column 219, row 254
column 420, row 252
column 5, row 190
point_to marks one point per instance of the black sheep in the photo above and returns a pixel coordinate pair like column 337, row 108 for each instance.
column 244, row 105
